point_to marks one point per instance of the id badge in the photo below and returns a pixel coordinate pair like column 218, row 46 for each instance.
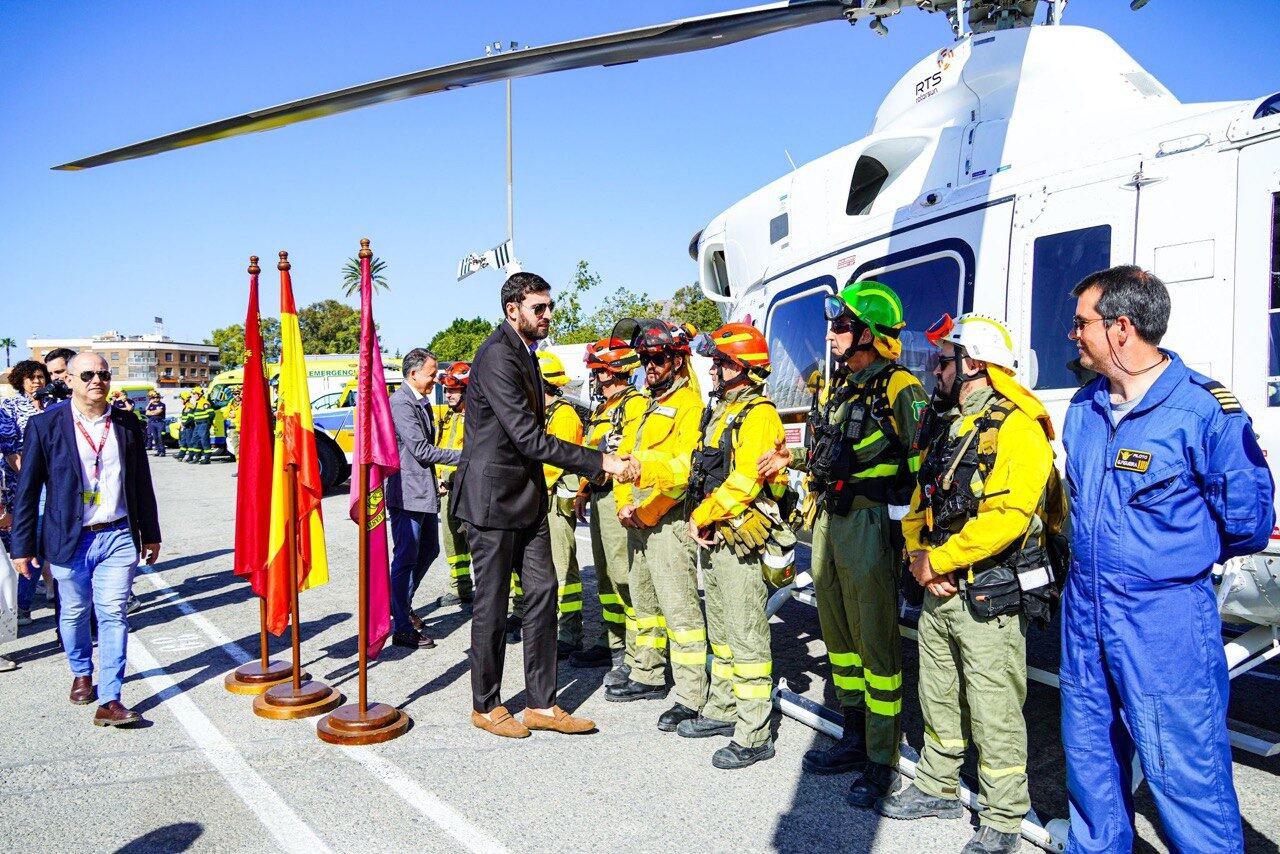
column 91, row 497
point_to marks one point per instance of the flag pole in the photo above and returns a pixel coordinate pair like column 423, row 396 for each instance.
column 297, row 698
column 359, row 724
column 257, row 676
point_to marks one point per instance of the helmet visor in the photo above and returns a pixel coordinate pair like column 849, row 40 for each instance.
column 941, row 328
column 834, row 308
column 705, row 346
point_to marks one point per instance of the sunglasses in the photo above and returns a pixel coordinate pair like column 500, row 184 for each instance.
column 86, row 376
column 658, row 359
column 943, row 361
column 542, row 308
column 1079, row 323
column 842, row 326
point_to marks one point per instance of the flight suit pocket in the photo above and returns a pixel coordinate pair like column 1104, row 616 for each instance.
column 1150, row 490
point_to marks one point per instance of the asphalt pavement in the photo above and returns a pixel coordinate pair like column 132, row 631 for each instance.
column 209, row 775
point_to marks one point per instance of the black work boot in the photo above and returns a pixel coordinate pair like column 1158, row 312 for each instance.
column 911, row 803
column 513, row 628
column 592, row 656
column 734, row 755
column 631, row 690
column 847, row 754
column 674, row 716
column 621, row 673
column 876, row 782
column 702, row 727
column 988, row 840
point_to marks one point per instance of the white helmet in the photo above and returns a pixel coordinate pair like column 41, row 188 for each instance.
column 983, row 338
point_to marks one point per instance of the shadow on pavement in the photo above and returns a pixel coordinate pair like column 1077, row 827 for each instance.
column 170, row 838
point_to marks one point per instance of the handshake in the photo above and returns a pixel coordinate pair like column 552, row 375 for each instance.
column 624, row 468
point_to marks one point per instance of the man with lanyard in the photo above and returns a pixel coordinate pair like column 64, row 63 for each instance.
column 202, row 415
column 861, row 469
column 611, row 363
column 155, row 422
column 662, row 574
column 977, row 545
column 735, row 516
column 562, row 423
column 185, row 450
column 1166, row 480
column 456, row 551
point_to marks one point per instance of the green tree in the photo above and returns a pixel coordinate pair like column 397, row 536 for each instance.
column 351, row 275
column 329, row 326
column 459, row 341
column 690, row 305
column 574, row 325
column 7, row 343
column 230, row 342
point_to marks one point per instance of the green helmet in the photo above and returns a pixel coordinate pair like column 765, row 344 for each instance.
column 874, row 304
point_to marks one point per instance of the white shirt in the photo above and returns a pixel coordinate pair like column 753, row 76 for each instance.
column 109, row 505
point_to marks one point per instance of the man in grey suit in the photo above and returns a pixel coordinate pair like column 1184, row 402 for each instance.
column 411, row 493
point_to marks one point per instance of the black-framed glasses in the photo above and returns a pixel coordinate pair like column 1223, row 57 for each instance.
column 654, row 357
column 542, row 308
column 86, row 376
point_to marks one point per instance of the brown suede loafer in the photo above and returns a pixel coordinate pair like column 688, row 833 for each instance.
column 113, row 713
column 82, row 691
column 503, row 723
column 559, row 721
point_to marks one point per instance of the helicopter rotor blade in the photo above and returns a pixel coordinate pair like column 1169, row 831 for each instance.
column 681, row 36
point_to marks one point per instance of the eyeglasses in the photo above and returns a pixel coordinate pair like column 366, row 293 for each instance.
column 842, row 326
column 542, row 308
column 1078, row 323
column 654, row 358
column 943, row 361
column 86, row 376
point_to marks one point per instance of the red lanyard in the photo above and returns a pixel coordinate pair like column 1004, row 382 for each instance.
column 97, row 449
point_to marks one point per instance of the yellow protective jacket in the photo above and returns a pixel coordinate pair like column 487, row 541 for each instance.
column 662, row 440
column 758, row 434
column 600, row 424
column 233, row 414
column 563, row 423
column 449, row 437
column 1015, row 483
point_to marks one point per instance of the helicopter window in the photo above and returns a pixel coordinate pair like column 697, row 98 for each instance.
column 1273, row 378
column 1269, row 107
column 928, row 289
column 779, row 227
column 869, row 176
column 797, row 347
column 1061, row 261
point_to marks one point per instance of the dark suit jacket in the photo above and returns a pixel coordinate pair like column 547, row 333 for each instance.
column 413, row 487
column 51, row 459
column 500, row 482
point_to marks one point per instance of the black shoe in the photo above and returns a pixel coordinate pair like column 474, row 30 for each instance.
column 669, row 720
column 876, row 782
column 449, row 599
column 702, row 727
column 412, row 640
column 564, row 649
column 734, row 755
column 592, row 656
column 629, row 691
column 513, row 629
column 847, row 754
column 618, row 676
column 911, row 803
column 205, row 461
column 131, row 604
column 988, row 840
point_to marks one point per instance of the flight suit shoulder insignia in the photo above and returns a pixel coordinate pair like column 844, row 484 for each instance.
column 1222, row 394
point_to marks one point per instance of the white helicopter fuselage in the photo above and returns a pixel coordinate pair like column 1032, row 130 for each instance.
column 1000, row 172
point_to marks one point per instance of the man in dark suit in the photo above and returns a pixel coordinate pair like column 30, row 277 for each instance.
column 99, row 520
column 412, row 495
column 500, row 495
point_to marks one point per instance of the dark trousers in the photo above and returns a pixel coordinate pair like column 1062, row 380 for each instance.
column 155, row 437
column 415, row 544
column 494, row 553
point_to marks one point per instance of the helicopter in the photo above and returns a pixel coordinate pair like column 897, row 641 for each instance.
column 998, row 172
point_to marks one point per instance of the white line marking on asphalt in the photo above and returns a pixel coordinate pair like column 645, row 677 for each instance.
column 437, row 811
column 289, row 831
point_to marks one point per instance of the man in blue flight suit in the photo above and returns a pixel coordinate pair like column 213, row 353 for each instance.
column 1166, row 479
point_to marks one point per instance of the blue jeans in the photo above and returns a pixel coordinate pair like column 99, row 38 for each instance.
column 155, row 436
column 415, row 544
column 99, row 577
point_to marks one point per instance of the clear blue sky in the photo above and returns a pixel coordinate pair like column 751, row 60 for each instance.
column 619, row 166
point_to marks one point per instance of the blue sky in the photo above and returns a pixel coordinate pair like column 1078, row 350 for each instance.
column 619, row 166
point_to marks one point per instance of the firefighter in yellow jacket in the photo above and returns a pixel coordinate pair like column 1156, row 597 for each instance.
column 563, row 423
column 611, row 363
column 449, row 436
column 185, row 448
column 977, row 539
column 737, row 518
column 861, row 470
column 662, row 575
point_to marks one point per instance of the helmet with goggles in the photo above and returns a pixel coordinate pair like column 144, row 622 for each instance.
column 871, row 303
column 739, row 343
column 456, row 377
column 981, row 337
column 655, row 334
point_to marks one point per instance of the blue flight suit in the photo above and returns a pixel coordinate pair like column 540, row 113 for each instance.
column 1178, row 485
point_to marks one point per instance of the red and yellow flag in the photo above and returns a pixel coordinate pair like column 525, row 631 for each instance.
column 295, row 445
column 253, row 506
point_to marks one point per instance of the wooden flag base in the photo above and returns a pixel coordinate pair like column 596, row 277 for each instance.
column 346, row 726
column 251, row 678
column 282, row 702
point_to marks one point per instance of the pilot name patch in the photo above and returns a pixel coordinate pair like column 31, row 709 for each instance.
column 1135, row 461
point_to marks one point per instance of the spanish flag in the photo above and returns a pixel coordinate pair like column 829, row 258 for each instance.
column 295, row 446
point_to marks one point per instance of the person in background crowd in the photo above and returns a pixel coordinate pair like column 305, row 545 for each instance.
column 155, row 422
column 55, row 361
column 456, row 551
column 202, row 415
column 1166, row 479
column 27, row 377
column 186, row 445
column 231, row 424
column 101, row 519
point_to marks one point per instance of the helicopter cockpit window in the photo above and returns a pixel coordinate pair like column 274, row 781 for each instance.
column 1273, row 316
column 797, row 346
column 869, row 176
column 928, row 289
column 1061, row 261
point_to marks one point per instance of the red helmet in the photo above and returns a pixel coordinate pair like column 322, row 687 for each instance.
column 655, row 334
column 741, row 343
column 456, row 376
column 612, row 355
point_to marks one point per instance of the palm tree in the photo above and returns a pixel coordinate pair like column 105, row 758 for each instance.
column 6, row 343
column 351, row 275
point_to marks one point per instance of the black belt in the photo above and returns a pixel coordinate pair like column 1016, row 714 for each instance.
column 108, row 526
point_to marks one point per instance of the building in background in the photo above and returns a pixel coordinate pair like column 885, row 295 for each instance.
column 155, row 357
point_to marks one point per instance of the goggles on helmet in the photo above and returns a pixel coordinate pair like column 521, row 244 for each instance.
column 941, row 328
column 834, row 308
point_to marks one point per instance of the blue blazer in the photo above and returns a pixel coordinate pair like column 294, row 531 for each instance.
column 51, row 460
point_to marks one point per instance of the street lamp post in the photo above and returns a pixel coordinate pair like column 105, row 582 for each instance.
column 504, row 255
column 493, row 50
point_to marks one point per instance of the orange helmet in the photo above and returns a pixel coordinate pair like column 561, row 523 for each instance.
column 740, row 343
column 456, row 376
column 612, row 355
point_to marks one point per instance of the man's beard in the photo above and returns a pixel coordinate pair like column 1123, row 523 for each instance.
column 531, row 329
